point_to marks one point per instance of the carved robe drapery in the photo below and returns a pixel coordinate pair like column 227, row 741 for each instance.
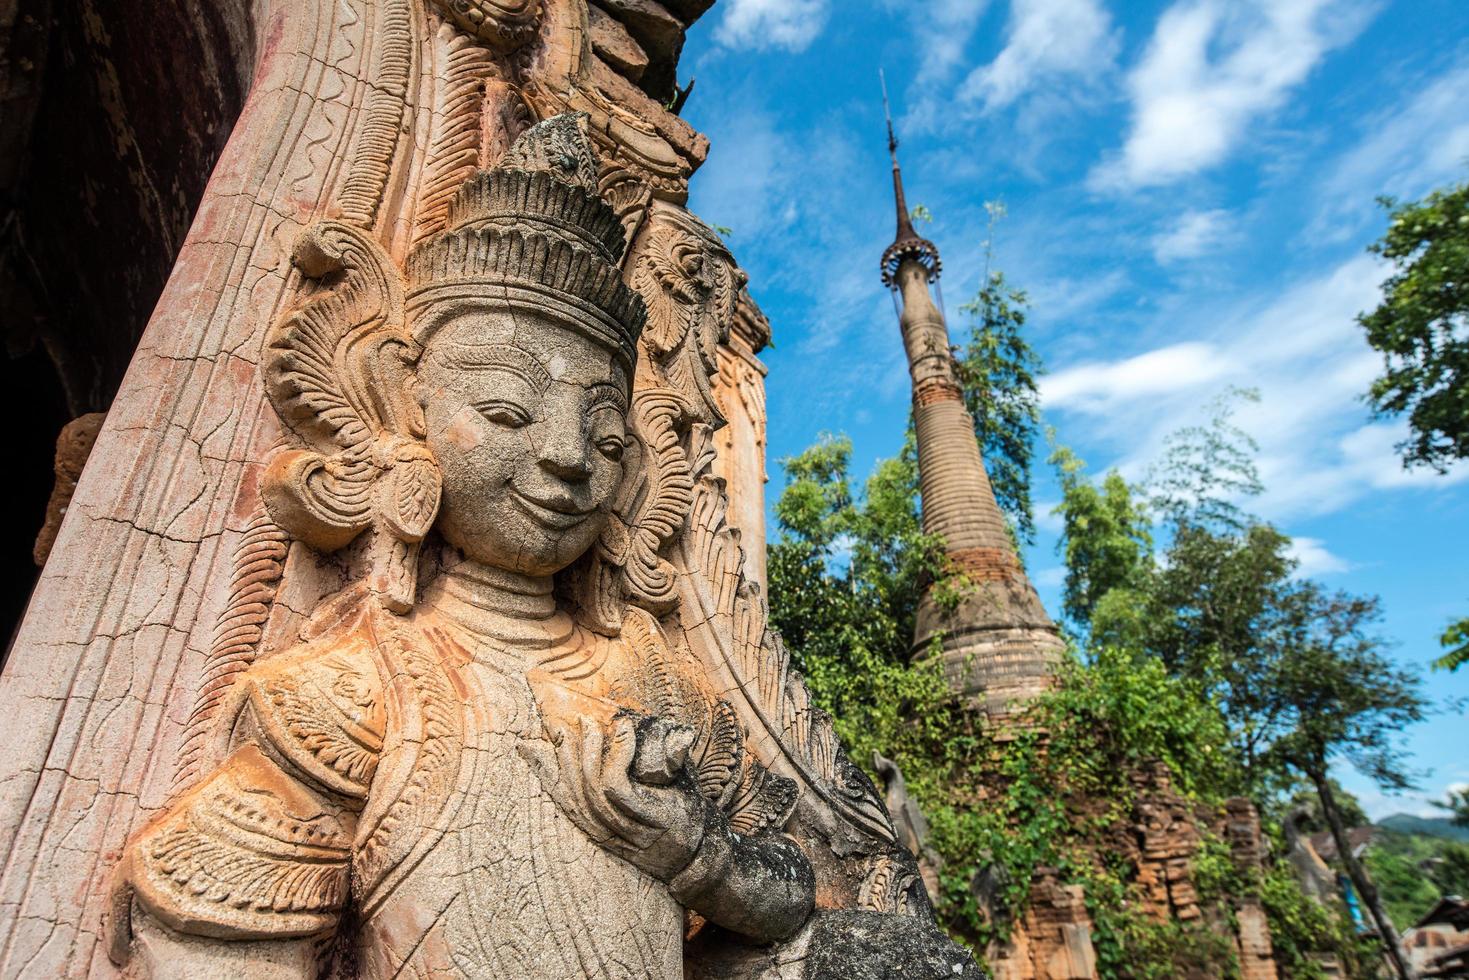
column 169, row 583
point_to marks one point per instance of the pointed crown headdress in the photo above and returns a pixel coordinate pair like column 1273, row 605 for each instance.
column 535, row 231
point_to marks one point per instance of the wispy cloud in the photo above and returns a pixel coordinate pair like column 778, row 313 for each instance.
column 1104, row 386
column 1046, row 40
column 1212, row 68
column 942, row 34
column 1314, row 558
column 1408, row 149
column 1305, row 354
column 1194, row 234
column 1307, row 357
column 790, row 24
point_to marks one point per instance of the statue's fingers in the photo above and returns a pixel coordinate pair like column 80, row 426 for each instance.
column 593, row 778
column 622, row 750
column 637, row 804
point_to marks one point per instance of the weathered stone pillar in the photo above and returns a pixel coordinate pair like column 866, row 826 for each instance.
column 740, row 391
column 103, row 670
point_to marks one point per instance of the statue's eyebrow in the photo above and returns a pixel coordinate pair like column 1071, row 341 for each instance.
column 606, row 393
column 493, row 357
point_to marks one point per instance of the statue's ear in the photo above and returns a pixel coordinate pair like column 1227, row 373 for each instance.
column 406, row 503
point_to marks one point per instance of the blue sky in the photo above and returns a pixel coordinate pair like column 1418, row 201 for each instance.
column 1190, row 187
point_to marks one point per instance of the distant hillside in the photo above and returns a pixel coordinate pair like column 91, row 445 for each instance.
column 1406, row 823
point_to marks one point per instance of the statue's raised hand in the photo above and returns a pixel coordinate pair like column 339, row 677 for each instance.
column 627, row 784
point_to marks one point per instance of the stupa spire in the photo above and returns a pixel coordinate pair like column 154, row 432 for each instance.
column 998, row 645
column 907, row 243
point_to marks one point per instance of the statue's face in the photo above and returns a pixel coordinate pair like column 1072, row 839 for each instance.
column 528, row 420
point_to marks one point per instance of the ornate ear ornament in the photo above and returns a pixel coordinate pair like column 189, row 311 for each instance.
column 690, row 284
column 504, row 25
column 656, row 497
column 337, row 370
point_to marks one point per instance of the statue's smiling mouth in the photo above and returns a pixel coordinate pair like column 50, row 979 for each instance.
column 559, row 511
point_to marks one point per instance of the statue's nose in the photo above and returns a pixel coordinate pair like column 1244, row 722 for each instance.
column 565, row 455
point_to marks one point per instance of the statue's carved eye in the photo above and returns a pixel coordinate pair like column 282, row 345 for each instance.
column 508, row 414
column 612, row 447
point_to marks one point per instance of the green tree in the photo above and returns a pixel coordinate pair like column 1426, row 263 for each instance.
column 1458, row 806
column 1455, row 642
column 1422, row 326
column 1207, row 469
column 1106, row 538
column 1338, row 697
column 1222, row 609
column 998, row 370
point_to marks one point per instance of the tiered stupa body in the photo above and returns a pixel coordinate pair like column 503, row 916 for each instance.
column 998, row 645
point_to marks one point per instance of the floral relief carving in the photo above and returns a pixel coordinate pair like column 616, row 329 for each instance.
column 503, row 24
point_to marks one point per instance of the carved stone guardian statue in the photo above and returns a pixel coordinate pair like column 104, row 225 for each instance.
column 409, row 636
column 485, row 784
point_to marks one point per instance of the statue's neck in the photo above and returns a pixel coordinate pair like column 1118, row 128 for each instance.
column 498, row 605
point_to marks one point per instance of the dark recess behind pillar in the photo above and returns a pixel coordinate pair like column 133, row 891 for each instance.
column 112, row 115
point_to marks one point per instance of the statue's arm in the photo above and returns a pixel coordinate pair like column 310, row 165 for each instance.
column 247, row 873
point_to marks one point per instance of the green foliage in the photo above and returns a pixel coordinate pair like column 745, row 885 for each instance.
column 1302, row 929
column 1335, row 695
column 998, row 370
column 845, row 577
column 1297, row 673
column 1413, row 871
column 1456, row 642
column 1422, row 326
column 1458, row 805
column 1066, row 802
column 1206, row 469
column 1106, row 539
column 1450, row 872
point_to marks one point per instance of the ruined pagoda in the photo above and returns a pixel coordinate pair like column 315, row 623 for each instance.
column 998, row 645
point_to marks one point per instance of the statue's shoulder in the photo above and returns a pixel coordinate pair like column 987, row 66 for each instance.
column 322, row 705
column 261, row 847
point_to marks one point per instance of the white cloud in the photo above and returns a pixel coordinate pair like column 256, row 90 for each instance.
column 1305, row 354
column 790, row 24
column 943, row 33
column 1196, row 233
column 1101, row 387
column 1315, row 559
column 1046, row 39
column 1211, row 69
column 1409, row 149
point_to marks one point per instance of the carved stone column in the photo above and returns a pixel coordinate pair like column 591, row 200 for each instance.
column 740, row 391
